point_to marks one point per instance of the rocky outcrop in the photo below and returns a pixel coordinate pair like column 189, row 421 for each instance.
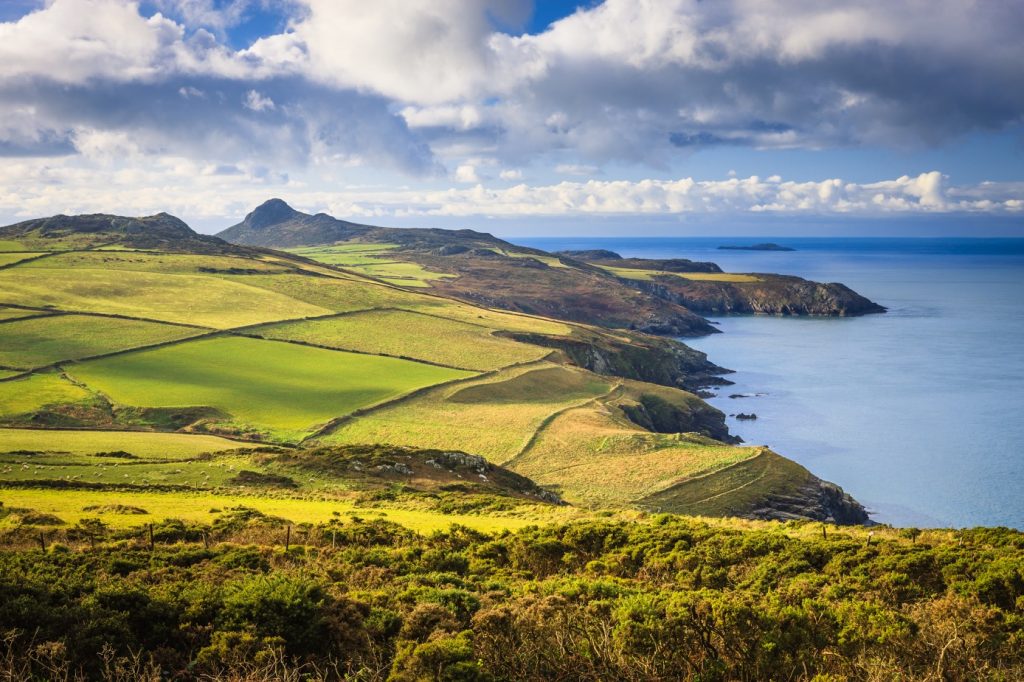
column 659, row 415
column 770, row 295
column 815, row 500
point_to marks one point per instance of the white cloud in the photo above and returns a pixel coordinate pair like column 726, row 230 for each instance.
column 258, row 102
column 466, row 173
column 511, row 174
column 37, row 187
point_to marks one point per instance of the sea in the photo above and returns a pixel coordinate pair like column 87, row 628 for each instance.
column 917, row 412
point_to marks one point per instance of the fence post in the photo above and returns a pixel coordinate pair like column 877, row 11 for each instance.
column 42, row 540
column 287, row 538
column 152, row 545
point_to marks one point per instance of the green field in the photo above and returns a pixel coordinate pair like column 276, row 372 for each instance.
column 167, row 263
column 139, row 443
column 20, row 396
column 494, row 416
column 9, row 245
column 596, row 457
column 646, row 275
column 189, row 299
column 44, row 340
column 346, row 254
column 17, row 313
column 8, row 258
column 411, row 335
column 373, row 260
column 283, row 388
column 69, row 506
column 336, row 293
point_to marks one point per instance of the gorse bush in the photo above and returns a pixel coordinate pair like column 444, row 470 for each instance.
column 663, row 599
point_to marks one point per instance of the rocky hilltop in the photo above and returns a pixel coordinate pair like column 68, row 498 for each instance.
column 488, row 271
column 161, row 231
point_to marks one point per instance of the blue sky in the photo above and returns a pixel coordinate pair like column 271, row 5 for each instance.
column 623, row 116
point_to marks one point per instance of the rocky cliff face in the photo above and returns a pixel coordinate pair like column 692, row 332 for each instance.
column 772, row 295
column 815, row 500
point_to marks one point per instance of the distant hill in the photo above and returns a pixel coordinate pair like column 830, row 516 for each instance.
column 478, row 267
column 276, row 224
column 160, row 231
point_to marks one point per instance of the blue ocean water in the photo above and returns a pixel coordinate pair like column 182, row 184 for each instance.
column 919, row 412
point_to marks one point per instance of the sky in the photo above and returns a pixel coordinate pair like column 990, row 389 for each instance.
column 547, row 118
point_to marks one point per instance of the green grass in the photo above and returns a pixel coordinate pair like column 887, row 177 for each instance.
column 44, row 340
column 406, row 334
column 198, row 474
column 8, row 258
column 8, row 245
column 550, row 261
column 191, row 299
column 20, row 396
column 373, row 260
column 646, row 275
column 281, row 388
column 594, row 456
column 170, row 263
column 731, row 490
column 139, row 443
column 476, row 416
column 402, row 273
column 16, row 313
column 493, row 319
column 70, row 505
column 346, row 254
column 335, row 294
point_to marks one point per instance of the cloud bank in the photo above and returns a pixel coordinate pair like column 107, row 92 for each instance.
column 438, row 92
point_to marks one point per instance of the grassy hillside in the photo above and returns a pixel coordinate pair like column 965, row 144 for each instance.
column 135, row 338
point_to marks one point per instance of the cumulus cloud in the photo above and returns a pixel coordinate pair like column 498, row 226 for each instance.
column 434, row 88
column 258, row 102
column 34, row 187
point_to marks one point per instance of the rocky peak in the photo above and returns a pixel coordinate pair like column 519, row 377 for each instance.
column 270, row 212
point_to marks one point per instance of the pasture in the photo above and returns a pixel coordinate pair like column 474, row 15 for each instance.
column 10, row 258
column 143, row 444
column 494, row 416
column 40, row 341
column 594, row 456
column 282, row 389
column 336, row 293
column 28, row 394
column 202, row 507
column 647, row 275
column 410, row 335
column 17, row 313
column 144, row 261
column 374, row 260
column 188, row 299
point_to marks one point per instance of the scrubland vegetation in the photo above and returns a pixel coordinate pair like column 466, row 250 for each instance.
column 659, row 598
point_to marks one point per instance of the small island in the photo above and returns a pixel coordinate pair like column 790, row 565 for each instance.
column 757, row 247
